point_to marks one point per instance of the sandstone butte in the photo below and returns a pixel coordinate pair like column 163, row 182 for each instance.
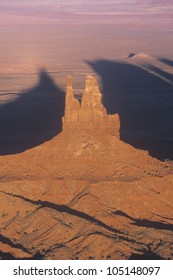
column 85, row 194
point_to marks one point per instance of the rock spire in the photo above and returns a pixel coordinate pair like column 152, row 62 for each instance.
column 72, row 107
column 90, row 115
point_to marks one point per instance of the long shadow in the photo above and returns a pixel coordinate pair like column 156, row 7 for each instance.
column 156, row 70
column 8, row 241
column 166, row 61
column 33, row 118
column 65, row 209
column 6, row 256
column 144, row 102
column 146, row 223
column 9, row 256
column 148, row 255
column 114, row 233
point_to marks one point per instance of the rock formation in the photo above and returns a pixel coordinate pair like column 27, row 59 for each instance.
column 85, row 194
column 72, row 107
column 91, row 115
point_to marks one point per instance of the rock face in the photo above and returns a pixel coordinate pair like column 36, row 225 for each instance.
column 85, row 194
column 72, row 107
column 89, row 116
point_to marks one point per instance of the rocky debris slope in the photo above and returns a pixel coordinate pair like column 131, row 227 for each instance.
column 85, row 194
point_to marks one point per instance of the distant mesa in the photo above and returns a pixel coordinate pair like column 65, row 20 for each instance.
column 138, row 55
column 131, row 55
column 89, row 116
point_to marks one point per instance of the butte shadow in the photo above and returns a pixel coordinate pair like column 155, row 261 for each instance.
column 33, row 118
column 144, row 102
column 167, row 61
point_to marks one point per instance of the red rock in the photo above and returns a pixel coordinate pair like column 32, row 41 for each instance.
column 85, row 194
column 91, row 115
